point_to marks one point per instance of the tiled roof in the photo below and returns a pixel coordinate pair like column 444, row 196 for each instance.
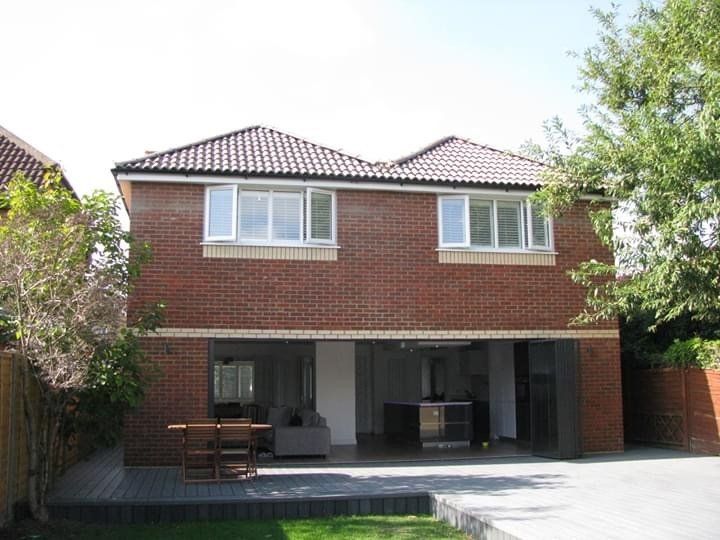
column 458, row 160
column 17, row 155
column 262, row 151
column 255, row 151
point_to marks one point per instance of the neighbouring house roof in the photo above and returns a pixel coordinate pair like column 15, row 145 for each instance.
column 18, row 155
column 266, row 152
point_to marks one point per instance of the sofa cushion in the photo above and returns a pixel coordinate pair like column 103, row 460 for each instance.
column 301, row 441
column 309, row 417
column 278, row 416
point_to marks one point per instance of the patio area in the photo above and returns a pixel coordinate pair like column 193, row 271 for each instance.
column 643, row 493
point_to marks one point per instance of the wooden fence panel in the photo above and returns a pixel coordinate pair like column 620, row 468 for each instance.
column 674, row 407
column 703, row 392
column 13, row 444
column 656, row 406
column 13, row 450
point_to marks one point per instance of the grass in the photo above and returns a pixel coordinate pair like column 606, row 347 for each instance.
column 340, row 528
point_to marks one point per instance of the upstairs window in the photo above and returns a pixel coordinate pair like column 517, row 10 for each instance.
column 509, row 234
column 254, row 215
column 454, row 221
column 477, row 223
column 269, row 217
column 320, row 222
column 220, row 209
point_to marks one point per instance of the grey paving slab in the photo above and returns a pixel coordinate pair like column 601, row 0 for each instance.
column 643, row 493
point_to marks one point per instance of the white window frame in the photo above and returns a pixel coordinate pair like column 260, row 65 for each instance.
column 333, row 220
column 524, row 202
column 303, row 219
column 269, row 240
column 208, row 191
column 493, row 224
column 466, row 200
column 520, row 225
column 268, row 230
column 549, row 224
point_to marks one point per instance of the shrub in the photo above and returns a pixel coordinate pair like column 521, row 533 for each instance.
column 693, row 352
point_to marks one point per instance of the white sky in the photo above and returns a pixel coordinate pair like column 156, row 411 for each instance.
column 91, row 83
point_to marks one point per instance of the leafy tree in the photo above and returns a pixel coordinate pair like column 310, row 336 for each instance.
column 64, row 277
column 651, row 143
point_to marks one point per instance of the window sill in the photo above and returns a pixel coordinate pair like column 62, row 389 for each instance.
column 289, row 253
column 509, row 257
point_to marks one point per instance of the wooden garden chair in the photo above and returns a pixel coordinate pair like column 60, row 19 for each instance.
column 199, row 453
column 236, row 449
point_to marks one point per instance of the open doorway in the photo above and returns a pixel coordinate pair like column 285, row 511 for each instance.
column 490, row 379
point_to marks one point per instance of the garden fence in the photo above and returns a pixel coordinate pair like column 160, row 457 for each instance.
column 674, row 407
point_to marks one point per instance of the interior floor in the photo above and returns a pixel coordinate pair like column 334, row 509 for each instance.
column 377, row 449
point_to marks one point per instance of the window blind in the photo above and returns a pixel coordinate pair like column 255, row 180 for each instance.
column 254, row 215
column 320, row 216
column 245, row 387
column 508, row 224
column 540, row 236
column 229, row 382
column 453, row 221
column 286, row 211
column 220, row 212
column 481, row 223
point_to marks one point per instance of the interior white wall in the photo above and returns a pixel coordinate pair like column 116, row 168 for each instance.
column 501, row 375
column 335, row 388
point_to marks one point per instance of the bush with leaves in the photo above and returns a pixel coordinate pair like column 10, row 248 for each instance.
column 117, row 377
column 693, row 352
column 651, row 142
column 65, row 274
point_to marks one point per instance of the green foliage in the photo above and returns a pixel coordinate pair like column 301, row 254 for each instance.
column 117, row 377
column 644, row 348
column 332, row 528
column 693, row 352
column 7, row 330
column 65, row 276
column 651, row 142
column 64, row 280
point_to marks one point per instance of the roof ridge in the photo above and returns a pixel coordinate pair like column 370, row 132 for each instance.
column 44, row 159
column 308, row 141
column 423, row 150
column 184, row 146
column 506, row 152
column 237, row 132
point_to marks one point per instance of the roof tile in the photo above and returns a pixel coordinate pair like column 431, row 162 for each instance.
column 254, row 151
column 17, row 155
column 458, row 160
column 263, row 151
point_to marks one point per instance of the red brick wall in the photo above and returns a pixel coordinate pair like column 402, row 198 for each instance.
column 601, row 396
column 386, row 278
column 387, row 275
column 180, row 393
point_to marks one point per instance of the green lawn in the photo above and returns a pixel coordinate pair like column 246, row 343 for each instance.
column 342, row 527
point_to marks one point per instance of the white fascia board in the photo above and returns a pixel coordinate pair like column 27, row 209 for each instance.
column 359, row 185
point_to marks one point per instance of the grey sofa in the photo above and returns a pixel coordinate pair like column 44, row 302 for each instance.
column 312, row 438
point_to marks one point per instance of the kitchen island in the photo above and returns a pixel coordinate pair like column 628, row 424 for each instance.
column 430, row 424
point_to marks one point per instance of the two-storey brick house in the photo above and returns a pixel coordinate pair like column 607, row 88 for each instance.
column 298, row 275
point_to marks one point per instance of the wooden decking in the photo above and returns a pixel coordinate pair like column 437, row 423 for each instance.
column 644, row 493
